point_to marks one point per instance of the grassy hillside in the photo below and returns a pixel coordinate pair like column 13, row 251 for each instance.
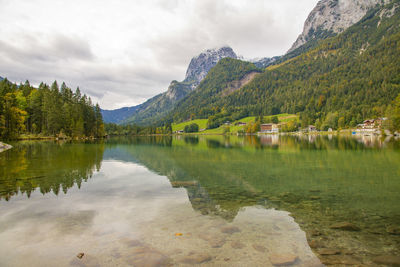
column 283, row 118
column 180, row 126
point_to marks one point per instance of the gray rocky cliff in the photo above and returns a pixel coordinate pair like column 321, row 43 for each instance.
column 332, row 17
column 199, row 66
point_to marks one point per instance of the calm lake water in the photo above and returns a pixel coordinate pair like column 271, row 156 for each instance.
column 215, row 201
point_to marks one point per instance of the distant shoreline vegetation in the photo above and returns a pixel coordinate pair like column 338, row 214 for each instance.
column 282, row 123
column 47, row 112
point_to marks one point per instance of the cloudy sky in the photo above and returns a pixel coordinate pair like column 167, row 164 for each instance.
column 123, row 52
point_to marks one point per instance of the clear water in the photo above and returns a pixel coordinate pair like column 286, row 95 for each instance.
column 215, row 201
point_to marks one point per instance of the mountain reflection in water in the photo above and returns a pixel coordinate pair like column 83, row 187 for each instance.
column 233, row 200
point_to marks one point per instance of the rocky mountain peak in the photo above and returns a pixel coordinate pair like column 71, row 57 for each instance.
column 199, row 66
column 177, row 90
column 332, row 17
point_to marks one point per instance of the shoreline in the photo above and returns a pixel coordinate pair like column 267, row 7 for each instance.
column 53, row 138
column 4, row 147
column 316, row 133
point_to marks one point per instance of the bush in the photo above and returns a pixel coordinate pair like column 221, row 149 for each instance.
column 192, row 128
column 291, row 126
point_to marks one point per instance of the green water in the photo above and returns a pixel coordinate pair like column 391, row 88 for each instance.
column 215, row 201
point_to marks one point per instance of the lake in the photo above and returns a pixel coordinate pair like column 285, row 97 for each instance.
column 209, row 200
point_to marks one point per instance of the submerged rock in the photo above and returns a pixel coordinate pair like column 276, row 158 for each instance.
column 237, row 245
column 313, row 243
column 390, row 260
column 345, row 226
column 340, row 260
column 4, row 147
column 213, row 240
column 282, row 259
column 149, row 257
column 217, row 242
column 184, row 183
column 230, row 229
column 259, row 248
column 198, row 200
column 87, row 261
column 195, row 259
column 315, row 190
column 327, row 251
column 133, row 243
column 315, row 233
column 393, row 230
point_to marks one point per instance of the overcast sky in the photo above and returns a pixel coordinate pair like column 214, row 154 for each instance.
column 123, row 52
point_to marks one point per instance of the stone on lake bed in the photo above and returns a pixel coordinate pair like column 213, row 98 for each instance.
column 196, row 259
column 314, row 244
column 149, row 257
column 80, row 255
column 282, row 259
column 133, row 243
column 327, row 251
column 230, row 229
column 315, row 233
column 393, row 230
column 216, row 243
column 87, row 261
column 183, row 183
column 345, row 226
column 259, row 248
column 213, row 240
column 340, row 260
column 237, row 245
column 4, row 147
column 390, row 260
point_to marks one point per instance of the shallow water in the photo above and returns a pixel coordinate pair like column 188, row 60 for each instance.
column 215, row 201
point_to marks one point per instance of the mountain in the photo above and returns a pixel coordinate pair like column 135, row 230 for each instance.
column 228, row 76
column 264, row 62
column 338, row 82
column 330, row 17
column 1, row 78
column 118, row 115
column 158, row 106
column 199, row 66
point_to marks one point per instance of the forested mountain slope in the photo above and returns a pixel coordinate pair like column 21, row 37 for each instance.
column 204, row 101
column 342, row 81
column 118, row 115
column 158, row 107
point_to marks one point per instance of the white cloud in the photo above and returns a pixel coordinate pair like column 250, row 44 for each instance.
column 123, row 52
